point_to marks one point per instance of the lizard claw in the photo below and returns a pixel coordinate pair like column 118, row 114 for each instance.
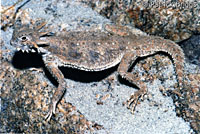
column 133, row 101
column 52, row 110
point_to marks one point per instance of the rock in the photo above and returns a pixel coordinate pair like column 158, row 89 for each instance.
column 191, row 48
column 177, row 20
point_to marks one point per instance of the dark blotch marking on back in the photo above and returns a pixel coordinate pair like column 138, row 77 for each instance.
column 94, row 56
column 122, row 48
column 94, row 44
column 64, row 49
column 72, row 44
column 74, row 54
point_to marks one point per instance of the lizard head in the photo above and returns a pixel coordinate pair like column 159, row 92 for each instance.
column 27, row 39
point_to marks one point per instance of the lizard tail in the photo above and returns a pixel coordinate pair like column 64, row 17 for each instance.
column 177, row 55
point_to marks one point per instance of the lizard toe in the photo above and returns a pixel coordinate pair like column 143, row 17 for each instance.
column 132, row 102
column 52, row 110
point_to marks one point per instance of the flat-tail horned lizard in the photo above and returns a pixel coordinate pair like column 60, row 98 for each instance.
column 94, row 51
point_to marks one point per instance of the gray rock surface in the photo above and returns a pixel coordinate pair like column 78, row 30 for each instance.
column 191, row 49
column 172, row 19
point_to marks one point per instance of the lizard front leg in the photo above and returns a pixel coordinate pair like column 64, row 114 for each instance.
column 126, row 62
column 57, row 74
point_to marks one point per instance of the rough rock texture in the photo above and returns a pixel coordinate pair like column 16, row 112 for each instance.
column 176, row 20
column 191, row 48
column 24, row 99
column 94, row 107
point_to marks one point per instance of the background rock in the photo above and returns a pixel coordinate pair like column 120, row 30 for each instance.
column 191, row 49
column 176, row 20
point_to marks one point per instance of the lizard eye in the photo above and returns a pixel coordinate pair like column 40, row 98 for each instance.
column 23, row 38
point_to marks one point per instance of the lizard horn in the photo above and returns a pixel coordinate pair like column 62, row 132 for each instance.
column 40, row 26
column 43, row 33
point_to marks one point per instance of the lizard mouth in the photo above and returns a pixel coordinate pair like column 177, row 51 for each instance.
column 30, row 47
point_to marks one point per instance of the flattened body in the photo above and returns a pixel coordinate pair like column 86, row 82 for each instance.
column 93, row 51
column 96, row 51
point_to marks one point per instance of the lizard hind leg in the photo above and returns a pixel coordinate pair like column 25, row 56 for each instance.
column 126, row 62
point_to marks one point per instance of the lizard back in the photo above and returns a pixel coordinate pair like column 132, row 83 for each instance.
column 89, row 51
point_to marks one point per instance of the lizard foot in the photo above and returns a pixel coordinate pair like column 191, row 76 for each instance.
column 132, row 102
column 52, row 110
